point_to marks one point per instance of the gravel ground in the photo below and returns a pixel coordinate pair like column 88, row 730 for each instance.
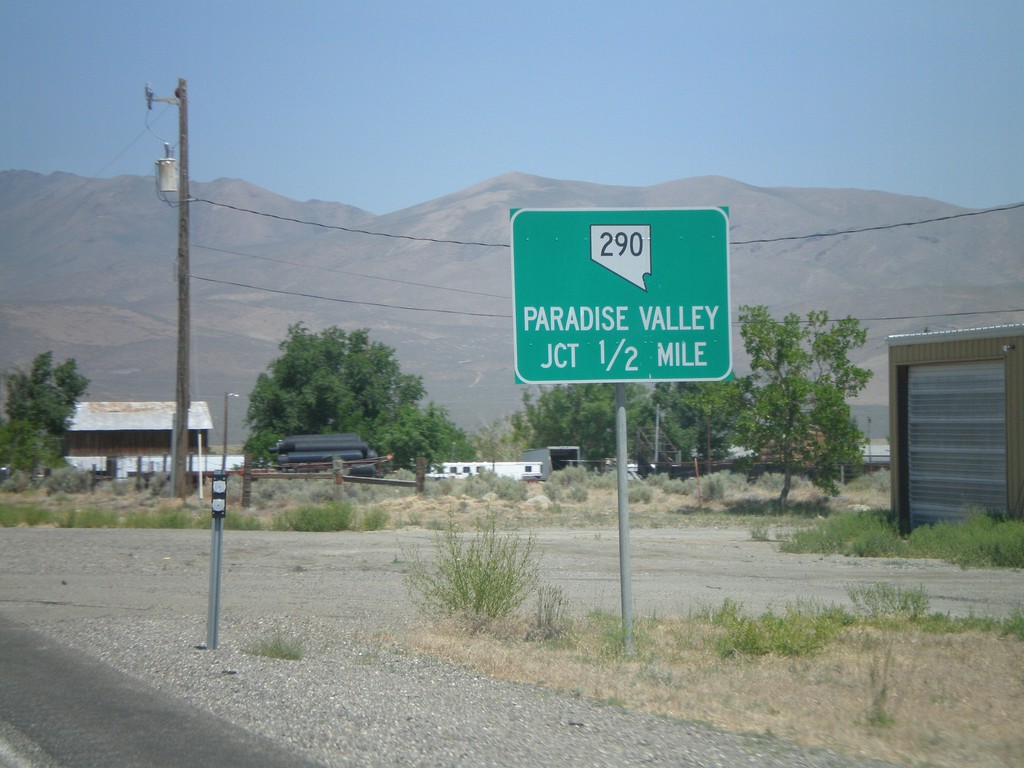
column 354, row 701
column 137, row 600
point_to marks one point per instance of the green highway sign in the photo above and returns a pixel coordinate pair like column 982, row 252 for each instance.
column 621, row 295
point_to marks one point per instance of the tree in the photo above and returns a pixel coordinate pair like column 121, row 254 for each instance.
column 335, row 381
column 426, row 432
column 498, row 441
column 697, row 415
column 577, row 414
column 39, row 406
column 795, row 411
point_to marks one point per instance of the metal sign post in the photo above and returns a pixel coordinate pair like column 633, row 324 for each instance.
column 622, row 476
column 621, row 295
column 219, row 492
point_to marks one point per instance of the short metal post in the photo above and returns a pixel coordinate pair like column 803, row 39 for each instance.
column 216, row 552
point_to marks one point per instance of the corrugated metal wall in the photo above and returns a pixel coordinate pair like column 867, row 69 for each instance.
column 956, row 440
column 985, row 353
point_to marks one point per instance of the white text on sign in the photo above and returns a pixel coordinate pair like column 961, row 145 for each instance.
column 561, row 319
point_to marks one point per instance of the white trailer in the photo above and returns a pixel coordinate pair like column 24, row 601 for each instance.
column 518, row 470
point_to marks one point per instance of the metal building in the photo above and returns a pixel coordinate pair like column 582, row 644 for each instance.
column 956, row 424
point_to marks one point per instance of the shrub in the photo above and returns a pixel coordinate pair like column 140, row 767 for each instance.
column 603, row 481
column 1014, row 625
column 158, row 485
column 477, row 486
column 720, row 485
column 550, row 621
column 760, row 532
column 483, row 578
column 510, row 489
column 886, row 601
column 864, row 534
column 876, row 482
column 801, row 630
column 122, row 487
column 12, row 515
column 569, row 476
column 676, row 486
column 322, row 493
column 770, row 482
column 656, row 480
column 577, row 493
column 443, row 487
column 640, row 494
column 320, row 518
column 17, row 482
column 66, row 480
column 981, row 541
column 375, row 519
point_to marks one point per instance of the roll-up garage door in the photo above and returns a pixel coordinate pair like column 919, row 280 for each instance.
column 956, row 424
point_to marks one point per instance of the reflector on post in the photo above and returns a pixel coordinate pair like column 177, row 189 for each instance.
column 219, row 494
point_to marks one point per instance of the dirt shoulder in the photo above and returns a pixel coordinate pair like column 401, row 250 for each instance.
column 51, row 574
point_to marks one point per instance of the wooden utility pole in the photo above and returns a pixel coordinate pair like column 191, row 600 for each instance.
column 182, row 399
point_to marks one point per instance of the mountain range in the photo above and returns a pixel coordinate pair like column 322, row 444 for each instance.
column 87, row 270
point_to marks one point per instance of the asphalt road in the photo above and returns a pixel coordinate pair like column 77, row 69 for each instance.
column 60, row 708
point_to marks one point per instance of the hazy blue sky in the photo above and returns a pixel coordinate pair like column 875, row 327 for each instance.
column 387, row 104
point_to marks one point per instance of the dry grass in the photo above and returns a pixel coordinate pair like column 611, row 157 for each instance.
column 940, row 700
column 547, row 504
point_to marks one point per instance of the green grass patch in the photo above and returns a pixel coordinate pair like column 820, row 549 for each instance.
column 612, row 635
column 278, row 647
column 242, row 522
column 1014, row 625
column 318, row 518
column 802, row 629
column 161, row 518
column 982, row 541
column 12, row 515
column 805, row 628
column 887, row 601
column 862, row 534
column 89, row 518
column 375, row 519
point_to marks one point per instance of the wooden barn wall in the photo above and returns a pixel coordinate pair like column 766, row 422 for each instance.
column 1009, row 348
column 137, row 442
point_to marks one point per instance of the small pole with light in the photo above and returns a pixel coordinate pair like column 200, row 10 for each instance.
column 224, row 460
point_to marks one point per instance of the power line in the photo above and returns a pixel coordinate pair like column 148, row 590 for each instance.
column 911, row 316
column 348, row 301
column 812, row 236
column 349, row 229
column 509, row 316
column 505, row 245
column 353, row 274
column 879, row 227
